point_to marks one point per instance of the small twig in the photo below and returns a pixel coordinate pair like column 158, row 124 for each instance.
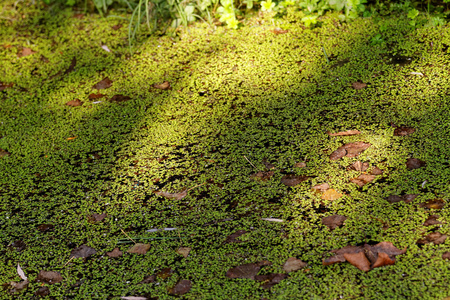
column 326, row 56
column 195, row 187
column 128, row 236
column 251, row 163
column 68, row 261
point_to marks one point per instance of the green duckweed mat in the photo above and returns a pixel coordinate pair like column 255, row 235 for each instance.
column 217, row 150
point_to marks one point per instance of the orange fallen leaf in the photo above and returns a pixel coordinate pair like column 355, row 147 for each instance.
column 330, row 195
column 359, row 260
column 71, row 138
column 344, row 133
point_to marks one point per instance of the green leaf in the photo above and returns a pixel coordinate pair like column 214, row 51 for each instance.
column 413, row 13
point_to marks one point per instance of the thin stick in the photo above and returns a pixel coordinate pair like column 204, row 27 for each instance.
column 195, row 187
column 68, row 261
column 326, row 56
column 251, row 163
column 128, row 236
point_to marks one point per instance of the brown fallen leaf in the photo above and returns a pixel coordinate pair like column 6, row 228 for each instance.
column 83, row 251
column 383, row 260
column 415, row 163
column 436, row 238
column 349, row 150
column 248, row 271
column 293, row 180
column 270, row 280
column 115, row 253
column 165, row 273
column 181, row 288
column 72, row 66
column 15, row 287
column 176, row 196
column 96, row 218
column 333, row 221
column 49, row 277
column 363, row 179
column 119, row 98
column 95, row 96
column 25, row 52
column 148, row 279
column 4, row 86
column 78, row 16
column 279, row 31
column 321, row 187
column 359, row 260
column 338, row 153
column 184, row 251
column 402, row 131
column 117, row 27
column 42, row 291
column 432, row 220
column 300, row 165
column 4, row 153
column 162, row 86
column 339, row 254
column 293, row 264
column 262, row 176
column 232, row 237
column 103, row 84
column 376, row 171
column 45, row 227
column 331, row 195
column 446, row 255
column 344, row 133
column 359, row 166
column 406, row 198
column 433, row 204
column 74, row 103
column 358, row 85
column 139, row 248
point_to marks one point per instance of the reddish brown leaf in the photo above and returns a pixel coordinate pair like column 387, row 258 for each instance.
column 388, row 248
column 95, row 96
column 300, row 165
column 359, row 260
column 363, row 179
column 432, row 220
column 95, row 218
column 376, row 171
column 359, row 166
column 433, row 204
column 45, row 227
column 331, row 195
column 402, row 131
column 248, row 271
column 16, row 286
column 19, row 245
column 279, row 31
column 148, row 279
column 293, row 264
column 334, row 221
column 25, row 52
column 339, row 254
column 383, row 260
column 5, row 85
column 262, row 176
column 103, row 84
column 333, row 259
column 270, row 279
column 119, row 98
column 4, row 153
column 117, row 27
column 355, row 149
column 139, row 248
column 358, row 85
column 338, row 153
column 232, row 237
column 268, row 165
column 446, row 255
column 78, row 16
column 321, row 187
column 434, row 237
column 415, row 163
column 83, row 251
column 184, row 251
column 49, row 277
column 162, row 86
column 42, row 291
column 176, row 196
column 165, row 273
column 181, row 288
column 406, row 198
column 74, row 103
column 293, row 180
column 344, row 133
column 115, row 253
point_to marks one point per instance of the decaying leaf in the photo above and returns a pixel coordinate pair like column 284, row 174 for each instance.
column 96, row 218
column 83, row 251
column 165, row 273
column 363, row 179
column 293, row 180
column 434, row 237
column 349, row 150
column 103, row 84
column 338, row 153
column 344, row 133
column 72, row 66
column 270, row 280
column 25, row 52
column 446, row 255
column 358, row 85
column 162, row 86
column 19, row 245
column 49, row 277
column 359, row 166
column 331, row 195
column 405, row 198
column 45, row 227
column 383, row 260
column 184, row 251
column 115, row 253
column 279, row 31
column 176, row 196
column 4, row 153
column 300, row 165
column 376, row 171
column 95, row 96
column 119, row 98
column 42, row 291
column 74, row 103
column 321, row 187
column 5, row 85
column 415, row 163
column 262, row 176
column 433, row 204
column 359, row 260
column 181, row 288
column 293, row 264
column 148, row 279
column 334, row 221
column 248, row 271
column 139, row 248
column 432, row 220
column 16, row 287
column 232, row 237
column 402, row 131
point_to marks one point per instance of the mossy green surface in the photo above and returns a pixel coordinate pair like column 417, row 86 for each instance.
column 235, row 95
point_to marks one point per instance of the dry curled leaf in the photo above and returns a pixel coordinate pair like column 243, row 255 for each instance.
column 433, row 204
column 162, row 86
column 331, row 195
column 383, row 260
column 95, row 218
column 376, row 171
column 349, row 150
column 4, row 86
column 415, row 163
column 359, row 166
column 262, row 176
column 176, row 196
column 358, row 85
column 363, row 179
column 446, row 255
column 184, row 251
column 359, row 260
column 95, row 96
column 300, row 165
column 74, row 103
column 139, row 248
column 270, row 280
column 321, row 187
column 334, row 221
column 115, row 253
column 25, row 52
column 293, row 180
column 181, row 288
column 248, row 271
column 293, row 264
column 436, row 238
column 344, row 133
column 405, row 198
column 432, row 220
column 402, row 131
column 103, row 84
column 83, row 251
column 49, row 277
column 165, row 273
column 279, row 31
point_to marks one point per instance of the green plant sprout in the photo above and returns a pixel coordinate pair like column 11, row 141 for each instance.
column 412, row 14
column 267, row 5
column 309, row 20
column 227, row 14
